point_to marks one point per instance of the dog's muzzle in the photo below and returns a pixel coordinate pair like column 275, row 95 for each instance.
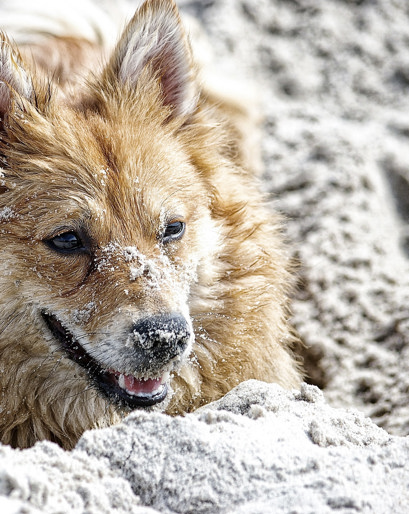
column 155, row 346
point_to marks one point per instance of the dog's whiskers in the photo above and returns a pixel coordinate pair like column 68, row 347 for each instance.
column 211, row 314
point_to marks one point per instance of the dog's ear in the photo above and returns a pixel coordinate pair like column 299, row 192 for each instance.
column 14, row 80
column 155, row 37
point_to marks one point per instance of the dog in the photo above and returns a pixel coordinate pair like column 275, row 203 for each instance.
column 140, row 266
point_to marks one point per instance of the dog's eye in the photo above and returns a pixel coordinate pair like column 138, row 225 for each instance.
column 173, row 231
column 66, row 242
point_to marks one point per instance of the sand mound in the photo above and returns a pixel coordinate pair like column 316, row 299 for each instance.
column 259, row 449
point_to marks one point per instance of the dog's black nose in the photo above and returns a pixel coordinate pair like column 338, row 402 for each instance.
column 163, row 337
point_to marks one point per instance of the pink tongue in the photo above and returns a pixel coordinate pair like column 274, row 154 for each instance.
column 135, row 386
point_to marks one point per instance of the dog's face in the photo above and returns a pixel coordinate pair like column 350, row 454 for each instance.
column 106, row 222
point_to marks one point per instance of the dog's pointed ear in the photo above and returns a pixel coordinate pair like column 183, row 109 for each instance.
column 155, row 37
column 14, row 80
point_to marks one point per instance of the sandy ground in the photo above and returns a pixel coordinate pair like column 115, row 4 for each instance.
column 333, row 79
column 258, row 450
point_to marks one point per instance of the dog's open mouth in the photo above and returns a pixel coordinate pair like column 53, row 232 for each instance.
column 126, row 390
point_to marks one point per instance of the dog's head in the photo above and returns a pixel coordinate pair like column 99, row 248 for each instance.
column 105, row 213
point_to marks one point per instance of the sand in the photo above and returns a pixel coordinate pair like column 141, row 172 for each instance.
column 258, row 450
column 333, row 84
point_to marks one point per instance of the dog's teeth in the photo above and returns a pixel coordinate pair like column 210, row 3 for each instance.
column 140, row 387
column 121, row 381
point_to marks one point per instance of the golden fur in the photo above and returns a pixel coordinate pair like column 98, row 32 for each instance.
column 116, row 158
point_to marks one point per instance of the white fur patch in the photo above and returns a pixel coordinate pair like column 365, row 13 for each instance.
column 12, row 74
column 28, row 21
